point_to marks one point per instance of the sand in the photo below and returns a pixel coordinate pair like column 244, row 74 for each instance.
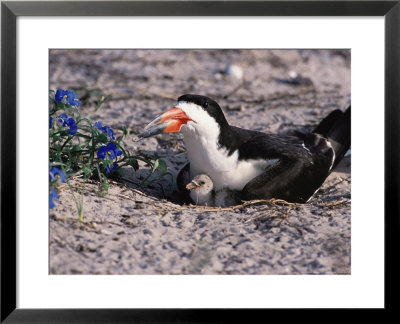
column 136, row 230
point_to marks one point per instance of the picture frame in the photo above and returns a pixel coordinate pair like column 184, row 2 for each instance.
column 10, row 10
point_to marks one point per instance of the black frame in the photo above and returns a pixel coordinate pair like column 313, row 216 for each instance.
column 11, row 10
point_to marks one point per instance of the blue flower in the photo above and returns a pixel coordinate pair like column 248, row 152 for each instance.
column 62, row 117
column 69, row 96
column 105, row 129
column 50, row 122
column 114, row 167
column 68, row 122
column 60, row 94
column 109, row 151
column 54, row 172
column 72, row 98
column 53, row 196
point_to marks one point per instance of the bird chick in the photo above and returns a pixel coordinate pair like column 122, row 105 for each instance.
column 202, row 193
column 202, row 190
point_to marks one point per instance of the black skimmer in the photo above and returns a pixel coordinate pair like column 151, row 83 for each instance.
column 259, row 165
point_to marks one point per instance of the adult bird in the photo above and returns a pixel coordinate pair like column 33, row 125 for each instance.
column 259, row 165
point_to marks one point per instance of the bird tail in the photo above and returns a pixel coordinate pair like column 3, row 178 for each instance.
column 336, row 128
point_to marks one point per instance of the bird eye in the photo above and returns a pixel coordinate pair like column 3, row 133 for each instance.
column 202, row 182
column 205, row 105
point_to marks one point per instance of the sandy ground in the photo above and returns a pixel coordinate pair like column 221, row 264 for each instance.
column 134, row 230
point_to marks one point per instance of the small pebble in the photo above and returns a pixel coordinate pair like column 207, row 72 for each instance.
column 235, row 71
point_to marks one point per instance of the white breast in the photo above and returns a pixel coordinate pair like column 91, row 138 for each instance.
column 225, row 170
column 203, row 198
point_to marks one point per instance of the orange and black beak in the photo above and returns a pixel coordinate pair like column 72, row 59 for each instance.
column 169, row 122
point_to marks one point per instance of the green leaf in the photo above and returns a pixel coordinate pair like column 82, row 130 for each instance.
column 102, row 138
column 87, row 171
column 75, row 147
column 102, row 101
column 56, row 164
column 155, row 166
column 162, row 165
column 134, row 163
column 125, row 132
column 103, row 189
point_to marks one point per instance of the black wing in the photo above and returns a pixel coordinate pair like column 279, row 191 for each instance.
column 303, row 164
column 182, row 180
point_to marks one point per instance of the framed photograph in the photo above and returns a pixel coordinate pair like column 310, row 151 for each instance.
column 288, row 198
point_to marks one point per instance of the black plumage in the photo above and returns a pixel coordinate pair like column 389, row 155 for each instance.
column 304, row 161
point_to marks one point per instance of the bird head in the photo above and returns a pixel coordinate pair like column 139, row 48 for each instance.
column 192, row 113
column 201, row 182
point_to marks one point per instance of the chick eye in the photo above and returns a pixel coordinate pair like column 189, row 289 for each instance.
column 202, row 182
